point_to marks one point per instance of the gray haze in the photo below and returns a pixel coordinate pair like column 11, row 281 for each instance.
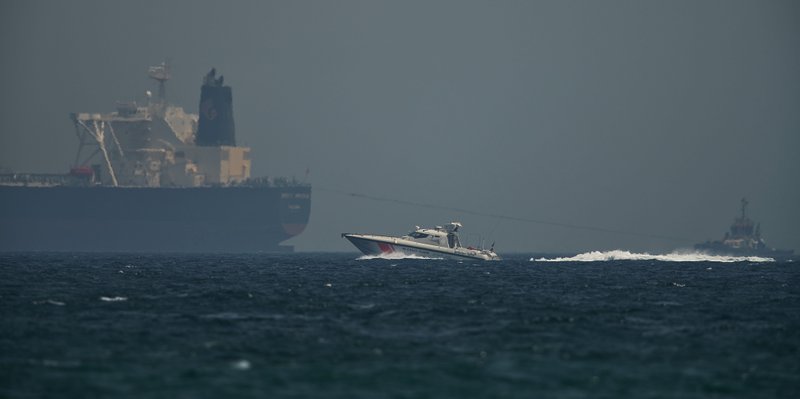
column 642, row 116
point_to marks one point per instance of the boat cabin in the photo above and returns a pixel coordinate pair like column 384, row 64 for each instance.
column 441, row 236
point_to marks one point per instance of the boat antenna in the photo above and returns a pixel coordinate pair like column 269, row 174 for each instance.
column 161, row 74
column 744, row 206
column 501, row 216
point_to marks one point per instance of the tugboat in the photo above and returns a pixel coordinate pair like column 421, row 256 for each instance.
column 744, row 239
column 436, row 242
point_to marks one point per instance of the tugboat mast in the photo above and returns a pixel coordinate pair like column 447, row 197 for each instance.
column 744, row 206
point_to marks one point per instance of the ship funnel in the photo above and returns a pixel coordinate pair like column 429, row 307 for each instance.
column 215, row 126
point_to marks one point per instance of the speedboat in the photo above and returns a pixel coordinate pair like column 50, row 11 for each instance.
column 436, row 242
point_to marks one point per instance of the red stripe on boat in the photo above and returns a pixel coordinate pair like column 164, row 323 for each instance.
column 385, row 248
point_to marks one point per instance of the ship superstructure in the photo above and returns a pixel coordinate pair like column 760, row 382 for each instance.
column 161, row 145
column 155, row 177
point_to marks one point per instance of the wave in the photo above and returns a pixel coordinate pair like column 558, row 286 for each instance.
column 602, row 256
column 395, row 256
column 49, row 302
column 113, row 299
column 242, row 364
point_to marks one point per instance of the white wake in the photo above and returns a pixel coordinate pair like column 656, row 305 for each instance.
column 602, row 256
column 395, row 256
column 113, row 299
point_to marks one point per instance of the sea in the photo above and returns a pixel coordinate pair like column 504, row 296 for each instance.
column 339, row 325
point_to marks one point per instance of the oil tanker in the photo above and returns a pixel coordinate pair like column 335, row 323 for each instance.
column 154, row 178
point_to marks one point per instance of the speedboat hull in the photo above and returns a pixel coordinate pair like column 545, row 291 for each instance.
column 376, row 245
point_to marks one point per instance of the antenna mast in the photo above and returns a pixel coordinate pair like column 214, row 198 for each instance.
column 161, row 74
column 744, row 206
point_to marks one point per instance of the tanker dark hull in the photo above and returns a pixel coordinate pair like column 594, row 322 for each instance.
column 113, row 219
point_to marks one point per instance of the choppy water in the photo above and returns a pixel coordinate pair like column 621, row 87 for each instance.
column 332, row 325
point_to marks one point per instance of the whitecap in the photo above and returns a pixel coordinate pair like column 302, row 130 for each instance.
column 242, row 364
column 602, row 256
column 113, row 299
column 49, row 302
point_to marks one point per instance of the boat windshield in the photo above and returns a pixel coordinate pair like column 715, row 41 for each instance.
column 417, row 234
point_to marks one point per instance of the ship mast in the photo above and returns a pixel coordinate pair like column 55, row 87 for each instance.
column 161, row 74
column 744, row 207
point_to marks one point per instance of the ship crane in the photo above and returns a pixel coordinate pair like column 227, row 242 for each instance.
column 96, row 129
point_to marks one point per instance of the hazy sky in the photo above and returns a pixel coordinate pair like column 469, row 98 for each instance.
column 652, row 117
